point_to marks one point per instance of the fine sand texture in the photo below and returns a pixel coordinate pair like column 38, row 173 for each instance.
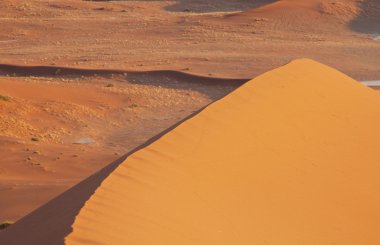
column 46, row 114
column 120, row 72
column 291, row 157
column 224, row 38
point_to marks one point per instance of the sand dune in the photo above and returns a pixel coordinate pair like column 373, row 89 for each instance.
column 311, row 15
column 291, row 157
column 271, row 33
column 49, row 71
column 63, row 65
column 285, row 159
column 318, row 16
column 59, row 109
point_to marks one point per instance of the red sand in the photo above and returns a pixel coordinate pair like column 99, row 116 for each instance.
column 58, row 113
column 291, row 157
column 214, row 38
column 145, row 35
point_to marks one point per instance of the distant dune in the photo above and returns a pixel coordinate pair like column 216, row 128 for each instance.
column 197, row 36
column 119, row 72
column 291, row 157
column 362, row 16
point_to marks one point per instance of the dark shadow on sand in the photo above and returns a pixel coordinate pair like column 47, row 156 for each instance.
column 52, row 222
column 368, row 21
column 163, row 78
column 207, row 6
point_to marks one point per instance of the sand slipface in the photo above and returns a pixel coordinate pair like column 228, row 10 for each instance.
column 291, row 157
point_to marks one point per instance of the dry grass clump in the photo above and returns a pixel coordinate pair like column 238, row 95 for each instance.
column 6, row 224
column 5, row 98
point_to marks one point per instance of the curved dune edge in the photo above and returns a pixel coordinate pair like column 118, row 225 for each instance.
column 293, row 15
column 290, row 157
column 347, row 8
column 41, row 70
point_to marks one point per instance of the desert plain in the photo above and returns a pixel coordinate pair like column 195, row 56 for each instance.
column 84, row 82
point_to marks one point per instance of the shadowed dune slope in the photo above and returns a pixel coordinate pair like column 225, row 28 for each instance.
column 317, row 15
column 339, row 8
column 369, row 19
column 290, row 157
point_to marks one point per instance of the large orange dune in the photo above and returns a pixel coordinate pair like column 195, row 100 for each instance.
column 289, row 158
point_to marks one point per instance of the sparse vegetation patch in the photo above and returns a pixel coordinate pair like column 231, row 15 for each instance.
column 5, row 98
column 12, row 75
column 35, row 139
column 5, row 224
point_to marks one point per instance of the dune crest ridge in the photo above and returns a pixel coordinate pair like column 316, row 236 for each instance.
column 290, row 157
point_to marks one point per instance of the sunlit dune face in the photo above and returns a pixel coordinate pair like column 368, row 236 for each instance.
column 288, row 158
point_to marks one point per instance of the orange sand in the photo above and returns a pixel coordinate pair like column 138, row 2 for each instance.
column 289, row 158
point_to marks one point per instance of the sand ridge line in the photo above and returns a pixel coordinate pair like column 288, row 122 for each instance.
column 240, row 166
column 19, row 70
column 56, row 71
column 202, row 197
